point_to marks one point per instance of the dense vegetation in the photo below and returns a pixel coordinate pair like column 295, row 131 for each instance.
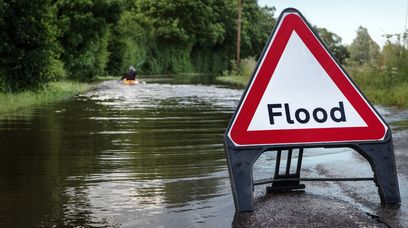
column 45, row 41
column 382, row 74
column 50, row 40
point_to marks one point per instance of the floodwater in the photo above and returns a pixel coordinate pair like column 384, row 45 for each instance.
column 149, row 155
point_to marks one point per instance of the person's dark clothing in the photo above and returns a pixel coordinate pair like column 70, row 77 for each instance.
column 131, row 75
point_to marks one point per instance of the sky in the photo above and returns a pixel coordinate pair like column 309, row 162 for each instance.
column 344, row 17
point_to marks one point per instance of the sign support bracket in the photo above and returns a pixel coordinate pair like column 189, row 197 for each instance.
column 240, row 164
column 292, row 179
column 380, row 155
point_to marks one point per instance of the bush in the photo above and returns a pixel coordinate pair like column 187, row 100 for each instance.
column 128, row 43
column 27, row 45
column 85, row 26
column 247, row 66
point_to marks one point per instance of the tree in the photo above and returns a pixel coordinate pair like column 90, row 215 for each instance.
column 333, row 43
column 257, row 24
column 185, row 33
column 85, row 27
column 128, row 44
column 363, row 50
column 184, row 21
column 394, row 58
column 47, row 40
column 28, row 44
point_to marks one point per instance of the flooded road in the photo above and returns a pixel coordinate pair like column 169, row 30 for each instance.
column 151, row 155
column 333, row 203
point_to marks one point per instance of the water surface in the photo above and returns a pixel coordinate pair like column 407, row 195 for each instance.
column 149, row 155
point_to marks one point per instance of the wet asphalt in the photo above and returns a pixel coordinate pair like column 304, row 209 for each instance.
column 332, row 204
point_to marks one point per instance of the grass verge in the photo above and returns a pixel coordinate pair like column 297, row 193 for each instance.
column 377, row 93
column 381, row 86
column 106, row 78
column 51, row 92
column 393, row 96
column 234, row 81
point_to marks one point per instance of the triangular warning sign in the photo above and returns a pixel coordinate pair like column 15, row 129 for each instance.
column 300, row 95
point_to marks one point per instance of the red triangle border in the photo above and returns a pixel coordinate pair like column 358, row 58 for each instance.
column 292, row 21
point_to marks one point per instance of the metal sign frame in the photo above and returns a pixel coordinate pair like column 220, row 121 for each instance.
column 241, row 158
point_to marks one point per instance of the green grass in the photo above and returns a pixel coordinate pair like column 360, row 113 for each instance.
column 106, row 78
column 399, row 125
column 52, row 92
column 381, row 87
column 394, row 96
column 376, row 87
column 235, row 81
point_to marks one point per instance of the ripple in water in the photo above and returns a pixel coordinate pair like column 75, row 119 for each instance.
column 166, row 163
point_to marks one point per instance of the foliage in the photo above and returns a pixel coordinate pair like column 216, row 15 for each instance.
column 247, row 67
column 206, row 60
column 180, row 29
column 85, row 27
column 198, row 36
column 394, row 60
column 333, row 43
column 128, row 41
column 257, row 23
column 184, row 22
column 49, row 92
column 50, row 40
column 385, row 80
column 363, row 50
column 235, row 81
column 28, row 45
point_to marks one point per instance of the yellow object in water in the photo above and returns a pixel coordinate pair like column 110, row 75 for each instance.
column 130, row 82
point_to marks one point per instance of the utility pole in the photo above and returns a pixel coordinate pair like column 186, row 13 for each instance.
column 239, row 36
column 405, row 32
column 406, row 17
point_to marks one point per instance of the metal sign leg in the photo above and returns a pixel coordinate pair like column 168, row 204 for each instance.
column 382, row 161
column 240, row 163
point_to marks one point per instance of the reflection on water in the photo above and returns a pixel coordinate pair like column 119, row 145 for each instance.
column 149, row 155
column 145, row 155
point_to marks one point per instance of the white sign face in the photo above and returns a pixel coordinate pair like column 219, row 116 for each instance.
column 300, row 95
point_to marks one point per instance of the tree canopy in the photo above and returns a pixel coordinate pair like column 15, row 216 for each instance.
column 363, row 49
column 334, row 44
column 49, row 40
